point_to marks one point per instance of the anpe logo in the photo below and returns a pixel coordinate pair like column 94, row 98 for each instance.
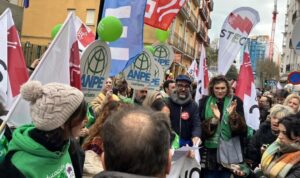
column 96, row 62
column 162, row 55
column 143, row 62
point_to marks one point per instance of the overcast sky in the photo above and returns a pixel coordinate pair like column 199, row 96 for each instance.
column 264, row 7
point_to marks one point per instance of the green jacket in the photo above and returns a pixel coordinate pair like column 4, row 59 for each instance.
column 35, row 161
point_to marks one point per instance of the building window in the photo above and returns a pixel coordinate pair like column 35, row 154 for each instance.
column 90, row 17
column 71, row 10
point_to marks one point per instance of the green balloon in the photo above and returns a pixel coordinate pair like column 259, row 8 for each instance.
column 150, row 48
column 55, row 30
column 162, row 35
column 110, row 29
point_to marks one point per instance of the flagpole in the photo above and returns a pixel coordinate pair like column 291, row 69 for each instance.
column 101, row 5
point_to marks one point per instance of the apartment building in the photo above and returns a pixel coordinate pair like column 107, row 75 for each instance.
column 42, row 16
column 187, row 33
column 290, row 61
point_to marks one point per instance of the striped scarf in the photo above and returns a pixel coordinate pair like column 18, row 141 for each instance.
column 278, row 167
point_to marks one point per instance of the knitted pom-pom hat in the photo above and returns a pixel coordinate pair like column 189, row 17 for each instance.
column 52, row 104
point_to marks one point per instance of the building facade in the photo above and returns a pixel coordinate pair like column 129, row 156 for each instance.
column 42, row 16
column 188, row 32
column 290, row 61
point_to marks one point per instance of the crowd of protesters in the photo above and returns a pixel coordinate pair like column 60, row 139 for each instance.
column 124, row 133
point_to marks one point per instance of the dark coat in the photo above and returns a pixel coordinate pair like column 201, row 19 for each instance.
column 190, row 126
column 264, row 135
column 113, row 174
column 237, row 125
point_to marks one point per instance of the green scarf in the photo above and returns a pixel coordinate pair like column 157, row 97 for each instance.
column 223, row 129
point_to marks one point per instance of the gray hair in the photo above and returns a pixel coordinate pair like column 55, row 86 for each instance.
column 281, row 111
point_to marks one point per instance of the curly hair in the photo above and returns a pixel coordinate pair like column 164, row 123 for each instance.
column 96, row 128
column 216, row 80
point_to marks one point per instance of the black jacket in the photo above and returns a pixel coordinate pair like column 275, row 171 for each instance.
column 113, row 174
column 189, row 125
column 264, row 135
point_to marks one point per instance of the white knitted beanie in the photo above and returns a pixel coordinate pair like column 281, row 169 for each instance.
column 52, row 104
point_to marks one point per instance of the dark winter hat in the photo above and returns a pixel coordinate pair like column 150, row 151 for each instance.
column 183, row 78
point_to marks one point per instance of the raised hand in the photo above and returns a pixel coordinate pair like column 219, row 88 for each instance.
column 215, row 110
column 232, row 107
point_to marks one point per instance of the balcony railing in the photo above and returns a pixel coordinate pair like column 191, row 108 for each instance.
column 296, row 14
column 211, row 5
column 178, row 42
column 203, row 10
column 208, row 23
column 193, row 22
column 201, row 33
column 190, row 50
column 185, row 10
column 207, row 42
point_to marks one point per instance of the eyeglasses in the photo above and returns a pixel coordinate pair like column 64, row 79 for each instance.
column 183, row 86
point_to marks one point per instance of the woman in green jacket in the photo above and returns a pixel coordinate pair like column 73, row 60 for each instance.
column 43, row 149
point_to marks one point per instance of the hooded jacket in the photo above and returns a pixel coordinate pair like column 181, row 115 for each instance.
column 32, row 159
column 184, row 114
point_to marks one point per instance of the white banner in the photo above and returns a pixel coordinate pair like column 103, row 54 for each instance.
column 95, row 66
column 157, row 76
column 138, row 74
column 234, row 34
column 185, row 168
column 163, row 54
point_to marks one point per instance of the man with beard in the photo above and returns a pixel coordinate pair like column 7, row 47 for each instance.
column 140, row 96
column 184, row 112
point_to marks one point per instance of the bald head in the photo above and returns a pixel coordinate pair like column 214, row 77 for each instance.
column 131, row 138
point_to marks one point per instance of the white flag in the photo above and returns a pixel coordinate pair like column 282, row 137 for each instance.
column 246, row 91
column 193, row 70
column 60, row 63
column 13, row 70
column 202, row 78
column 234, row 34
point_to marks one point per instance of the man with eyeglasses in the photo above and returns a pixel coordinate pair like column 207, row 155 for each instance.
column 184, row 113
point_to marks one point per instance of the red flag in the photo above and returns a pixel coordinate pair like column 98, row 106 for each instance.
column 85, row 35
column 14, row 71
column 160, row 13
column 17, row 70
column 245, row 89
